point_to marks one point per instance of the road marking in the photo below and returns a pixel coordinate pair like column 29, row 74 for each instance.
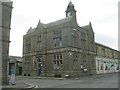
column 31, row 85
column 36, row 86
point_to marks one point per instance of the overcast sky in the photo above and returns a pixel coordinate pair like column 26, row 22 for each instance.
column 103, row 15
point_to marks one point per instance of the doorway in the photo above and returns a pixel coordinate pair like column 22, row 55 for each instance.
column 39, row 69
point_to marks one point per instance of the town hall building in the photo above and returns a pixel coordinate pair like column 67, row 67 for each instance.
column 60, row 48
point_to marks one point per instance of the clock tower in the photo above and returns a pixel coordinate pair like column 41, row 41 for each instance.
column 70, row 11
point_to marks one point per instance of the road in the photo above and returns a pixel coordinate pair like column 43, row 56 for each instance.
column 99, row 81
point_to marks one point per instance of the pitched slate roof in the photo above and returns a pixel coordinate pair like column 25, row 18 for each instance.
column 62, row 21
column 70, row 4
column 87, row 27
column 105, row 46
column 31, row 30
column 40, row 25
column 15, row 58
column 52, row 24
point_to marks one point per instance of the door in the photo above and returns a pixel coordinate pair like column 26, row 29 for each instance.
column 11, row 68
column 39, row 69
column 20, row 70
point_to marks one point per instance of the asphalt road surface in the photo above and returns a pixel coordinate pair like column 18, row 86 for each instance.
column 99, row 81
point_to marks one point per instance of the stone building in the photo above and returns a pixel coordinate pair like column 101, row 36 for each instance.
column 107, row 59
column 15, row 65
column 5, row 21
column 60, row 48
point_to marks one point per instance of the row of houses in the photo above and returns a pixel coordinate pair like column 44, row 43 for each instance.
column 107, row 59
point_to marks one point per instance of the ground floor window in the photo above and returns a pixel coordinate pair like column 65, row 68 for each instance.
column 117, row 68
column 58, row 61
column 101, row 66
column 75, row 62
column 106, row 67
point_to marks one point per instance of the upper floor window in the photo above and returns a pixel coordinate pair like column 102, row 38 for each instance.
column 103, row 51
column 57, row 39
column 83, row 43
column 39, row 42
column 74, row 33
column 74, row 37
column 84, row 57
column 28, row 44
column 83, row 36
column 38, row 38
column 112, row 54
column 92, row 46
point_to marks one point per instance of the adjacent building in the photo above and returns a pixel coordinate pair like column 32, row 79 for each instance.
column 107, row 59
column 60, row 48
column 5, row 22
column 15, row 65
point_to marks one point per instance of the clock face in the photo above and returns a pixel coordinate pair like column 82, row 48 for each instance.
column 69, row 14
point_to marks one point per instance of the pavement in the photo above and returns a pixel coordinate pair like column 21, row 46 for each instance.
column 19, row 86
column 30, row 86
column 78, row 78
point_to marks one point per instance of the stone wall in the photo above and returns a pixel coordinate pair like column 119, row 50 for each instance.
column 5, row 17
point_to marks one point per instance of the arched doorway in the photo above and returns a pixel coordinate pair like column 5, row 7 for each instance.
column 39, row 66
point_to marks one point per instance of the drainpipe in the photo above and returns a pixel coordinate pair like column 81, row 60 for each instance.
column 45, row 50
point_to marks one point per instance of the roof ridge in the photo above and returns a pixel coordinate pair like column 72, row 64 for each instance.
column 87, row 27
column 60, row 19
column 63, row 20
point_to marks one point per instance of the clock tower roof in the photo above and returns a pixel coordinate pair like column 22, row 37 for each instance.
column 70, row 4
column 70, row 11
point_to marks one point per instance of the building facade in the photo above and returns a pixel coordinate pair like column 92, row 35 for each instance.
column 107, row 59
column 5, row 22
column 60, row 48
column 15, row 65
